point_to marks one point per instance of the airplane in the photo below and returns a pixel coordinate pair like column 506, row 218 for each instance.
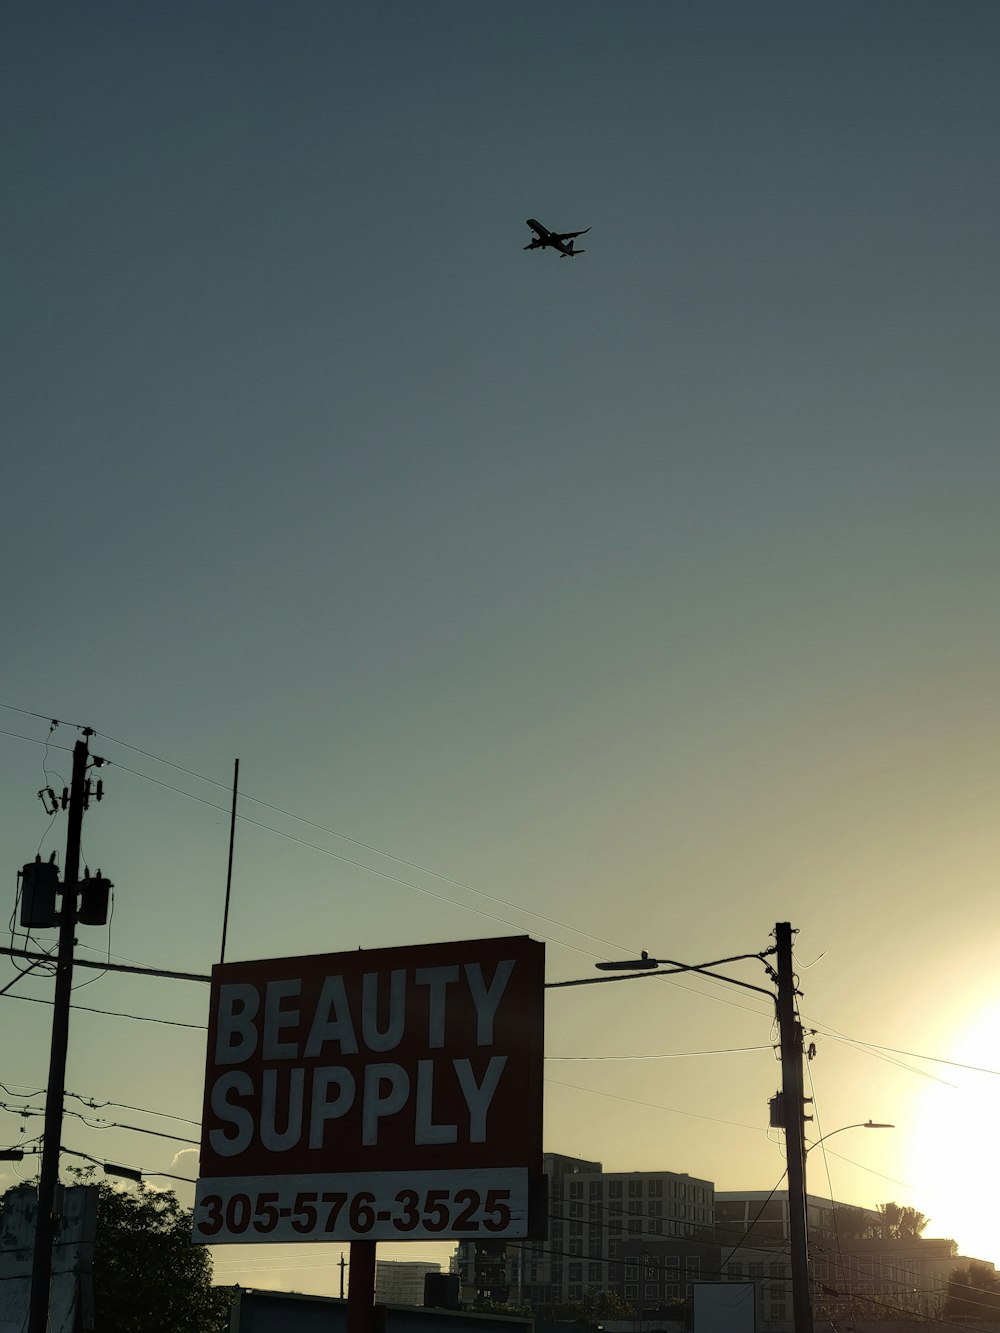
column 556, row 239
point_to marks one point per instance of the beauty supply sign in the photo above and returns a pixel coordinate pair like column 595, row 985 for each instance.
column 385, row 1094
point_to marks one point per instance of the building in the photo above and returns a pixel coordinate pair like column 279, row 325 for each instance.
column 643, row 1235
column 401, row 1281
column 282, row 1311
column 854, row 1274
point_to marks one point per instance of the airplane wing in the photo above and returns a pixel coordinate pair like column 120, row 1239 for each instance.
column 568, row 235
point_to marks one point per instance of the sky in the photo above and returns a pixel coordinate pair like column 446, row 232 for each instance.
column 640, row 602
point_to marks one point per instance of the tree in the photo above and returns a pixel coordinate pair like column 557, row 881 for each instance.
column 900, row 1223
column 853, row 1223
column 973, row 1292
column 149, row 1276
column 596, row 1307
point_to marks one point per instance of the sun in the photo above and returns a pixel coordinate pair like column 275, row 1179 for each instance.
column 954, row 1160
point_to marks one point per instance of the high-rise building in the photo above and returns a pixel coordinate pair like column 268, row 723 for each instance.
column 401, row 1281
column 643, row 1235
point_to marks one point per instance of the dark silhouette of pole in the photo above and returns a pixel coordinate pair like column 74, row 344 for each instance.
column 48, row 1180
column 361, row 1288
column 229, row 868
column 793, row 1113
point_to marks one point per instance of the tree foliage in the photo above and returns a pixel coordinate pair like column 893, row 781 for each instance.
column 853, row 1223
column 901, row 1223
column 973, row 1292
column 149, row 1276
column 597, row 1306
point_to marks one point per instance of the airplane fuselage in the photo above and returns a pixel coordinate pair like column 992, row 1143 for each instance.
column 553, row 239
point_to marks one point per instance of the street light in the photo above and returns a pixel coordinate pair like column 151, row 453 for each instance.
column 793, row 1091
column 864, row 1124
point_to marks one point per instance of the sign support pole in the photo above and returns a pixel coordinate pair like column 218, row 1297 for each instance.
column 361, row 1288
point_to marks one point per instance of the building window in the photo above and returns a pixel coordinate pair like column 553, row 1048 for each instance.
column 576, row 1272
column 575, row 1292
column 614, row 1189
column 734, row 1272
column 635, row 1189
column 651, row 1291
column 756, row 1270
column 631, row 1291
column 596, row 1189
column 655, row 1189
column 575, row 1245
column 576, row 1189
column 593, row 1272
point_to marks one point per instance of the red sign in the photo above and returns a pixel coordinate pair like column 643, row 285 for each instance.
column 384, row 1094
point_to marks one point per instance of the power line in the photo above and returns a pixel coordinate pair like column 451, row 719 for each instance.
column 667, row 1055
column 656, row 1106
column 114, row 1013
column 357, row 842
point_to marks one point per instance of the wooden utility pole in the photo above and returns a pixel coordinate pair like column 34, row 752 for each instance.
column 793, row 1105
column 48, row 1181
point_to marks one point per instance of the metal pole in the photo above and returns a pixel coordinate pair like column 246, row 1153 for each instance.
column 48, row 1180
column 361, row 1288
column 793, row 1099
column 229, row 868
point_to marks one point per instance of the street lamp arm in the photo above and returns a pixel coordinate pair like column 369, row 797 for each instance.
column 862, row 1124
column 705, row 970
column 665, row 972
column 635, row 969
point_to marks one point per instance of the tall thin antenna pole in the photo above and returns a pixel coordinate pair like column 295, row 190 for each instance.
column 229, row 868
